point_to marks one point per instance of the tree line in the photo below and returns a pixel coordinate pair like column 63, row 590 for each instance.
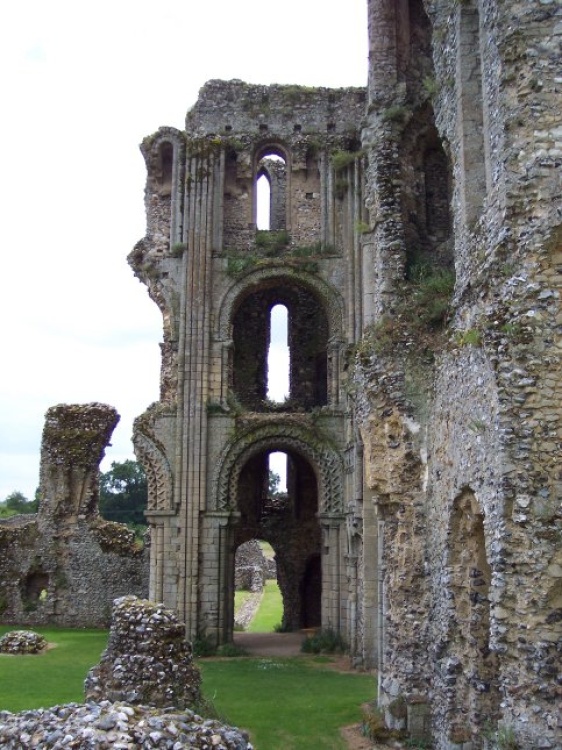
column 123, row 496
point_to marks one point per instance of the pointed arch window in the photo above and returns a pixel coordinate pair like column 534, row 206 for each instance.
column 270, row 190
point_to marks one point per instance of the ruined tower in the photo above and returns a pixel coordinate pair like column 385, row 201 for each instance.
column 216, row 278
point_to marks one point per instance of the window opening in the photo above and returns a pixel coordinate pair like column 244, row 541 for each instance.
column 270, row 192
column 263, row 216
column 278, row 357
column 166, row 168
column 277, row 473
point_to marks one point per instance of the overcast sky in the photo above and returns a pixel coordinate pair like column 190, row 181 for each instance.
column 82, row 83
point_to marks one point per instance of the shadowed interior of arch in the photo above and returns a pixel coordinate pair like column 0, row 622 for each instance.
column 255, row 323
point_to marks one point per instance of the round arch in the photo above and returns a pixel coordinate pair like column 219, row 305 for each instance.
column 283, row 435
column 271, row 148
column 280, row 273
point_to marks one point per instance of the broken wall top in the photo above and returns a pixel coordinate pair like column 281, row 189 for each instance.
column 231, row 107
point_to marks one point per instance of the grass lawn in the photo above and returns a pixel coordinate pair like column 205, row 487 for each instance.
column 55, row 676
column 287, row 704
column 270, row 611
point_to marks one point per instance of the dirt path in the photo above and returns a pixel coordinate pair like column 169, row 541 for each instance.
column 270, row 644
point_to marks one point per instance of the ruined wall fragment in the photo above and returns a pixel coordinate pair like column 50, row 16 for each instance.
column 66, row 564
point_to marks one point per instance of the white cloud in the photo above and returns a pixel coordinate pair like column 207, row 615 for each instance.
column 83, row 83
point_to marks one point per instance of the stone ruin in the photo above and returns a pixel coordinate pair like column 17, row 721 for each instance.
column 65, row 565
column 147, row 659
column 415, row 240
column 143, row 693
column 22, row 642
column 252, row 568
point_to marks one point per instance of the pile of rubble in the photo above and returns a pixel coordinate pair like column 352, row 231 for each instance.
column 141, row 695
column 97, row 726
column 147, row 660
column 22, row 642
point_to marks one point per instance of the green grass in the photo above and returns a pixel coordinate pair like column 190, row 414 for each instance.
column 267, row 550
column 55, row 676
column 270, row 611
column 287, row 704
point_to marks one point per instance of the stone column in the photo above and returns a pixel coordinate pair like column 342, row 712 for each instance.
column 333, row 570
column 204, row 174
column 217, row 576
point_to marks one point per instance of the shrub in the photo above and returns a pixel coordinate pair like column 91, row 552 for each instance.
column 177, row 250
column 238, row 264
column 326, row 641
column 203, row 646
column 271, row 243
column 231, row 650
column 396, row 113
column 342, row 159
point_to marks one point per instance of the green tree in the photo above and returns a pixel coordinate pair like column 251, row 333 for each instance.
column 274, row 480
column 16, row 503
column 123, row 493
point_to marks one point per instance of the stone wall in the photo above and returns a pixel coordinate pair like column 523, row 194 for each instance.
column 148, row 660
column 461, row 427
column 66, row 564
column 252, row 567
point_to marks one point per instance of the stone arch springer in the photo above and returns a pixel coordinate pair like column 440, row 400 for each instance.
column 283, row 434
column 279, row 272
column 158, row 473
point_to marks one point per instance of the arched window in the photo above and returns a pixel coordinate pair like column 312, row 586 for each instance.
column 286, row 319
column 263, row 197
column 270, row 189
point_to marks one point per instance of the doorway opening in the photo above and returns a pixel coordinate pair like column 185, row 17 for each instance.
column 282, row 512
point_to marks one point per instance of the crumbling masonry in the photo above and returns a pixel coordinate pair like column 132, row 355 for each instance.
column 415, row 241
column 66, row 564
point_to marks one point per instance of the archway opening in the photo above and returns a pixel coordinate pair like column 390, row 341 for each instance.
column 476, row 690
column 258, row 606
column 286, row 519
